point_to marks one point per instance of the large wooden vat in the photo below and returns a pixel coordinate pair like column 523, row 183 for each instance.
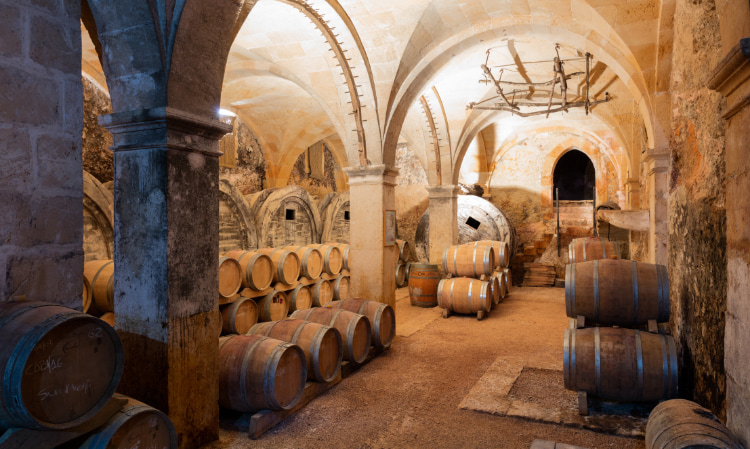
column 239, row 316
column 286, row 264
column 230, row 276
column 465, row 295
column 592, row 248
column 682, row 424
column 260, row 373
column 355, row 329
column 617, row 292
column 472, row 261
column 311, row 261
column 101, row 276
column 272, row 307
column 58, row 367
column 321, row 344
column 135, row 425
column 381, row 316
column 423, row 283
column 619, row 364
column 257, row 268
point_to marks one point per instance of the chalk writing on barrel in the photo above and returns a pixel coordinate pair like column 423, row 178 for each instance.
column 49, row 364
column 82, row 387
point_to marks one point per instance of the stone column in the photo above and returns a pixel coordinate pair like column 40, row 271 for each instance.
column 633, row 192
column 372, row 264
column 166, row 254
column 732, row 79
column 658, row 182
column 443, row 221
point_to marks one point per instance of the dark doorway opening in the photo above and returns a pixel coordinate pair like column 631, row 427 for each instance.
column 575, row 177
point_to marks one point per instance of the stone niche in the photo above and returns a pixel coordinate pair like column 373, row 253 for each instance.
column 286, row 216
column 98, row 214
column 334, row 213
column 236, row 223
column 478, row 219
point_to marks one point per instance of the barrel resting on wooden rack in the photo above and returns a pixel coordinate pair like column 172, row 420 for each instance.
column 464, row 295
column 355, row 329
column 592, row 248
column 617, row 292
column 382, row 318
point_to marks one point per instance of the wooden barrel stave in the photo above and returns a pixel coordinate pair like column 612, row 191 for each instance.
column 230, row 276
column 464, row 295
column 272, row 307
column 238, row 316
column 300, row 298
column 472, row 261
column 321, row 344
column 620, row 364
column 355, row 329
column 311, row 261
column 423, row 283
column 381, row 316
column 257, row 268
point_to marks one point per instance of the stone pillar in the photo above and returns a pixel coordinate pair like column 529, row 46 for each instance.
column 373, row 265
column 443, row 221
column 658, row 182
column 166, row 254
column 633, row 192
column 732, row 79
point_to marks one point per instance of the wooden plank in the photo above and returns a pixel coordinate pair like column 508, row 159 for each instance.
column 583, row 403
column 48, row 439
column 633, row 220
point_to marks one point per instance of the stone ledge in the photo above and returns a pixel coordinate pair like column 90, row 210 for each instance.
column 731, row 77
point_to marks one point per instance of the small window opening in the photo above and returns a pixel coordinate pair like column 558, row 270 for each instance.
column 290, row 214
column 346, row 215
column 473, row 223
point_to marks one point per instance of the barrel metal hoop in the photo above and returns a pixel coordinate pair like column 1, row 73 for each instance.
column 574, row 380
column 598, row 361
column 484, row 293
column 350, row 329
column 297, row 332
column 445, row 260
column 471, row 284
column 596, row 291
column 573, row 289
column 269, row 377
column 604, row 249
column 566, row 359
column 634, row 265
column 571, row 252
column 315, row 349
column 584, row 244
column 639, row 362
column 453, row 282
column 673, row 373
column 440, row 291
column 488, row 261
column 233, row 314
column 663, row 293
column 665, row 366
column 474, row 262
column 568, row 311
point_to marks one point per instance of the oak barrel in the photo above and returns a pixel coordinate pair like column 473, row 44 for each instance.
column 402, row 279
column 135, row 425
column 86, row 295
column 238, row 316
column 341, row 287
column 260, row 373
column 286, row 265
column 403, row 250
column 592, row 248
column 464, row 295
column 495, row 292
column 472, row 261
column 101, row 275
column 311, row 261
column 332, row 257
column 108, row 318
column 321, row 344
column 617, row 364
column 230, row 276
column 423, row 282
column 257, row 269
column 381, row 316
column 508, row 276
column 272, row 307
column 502, row 251
column 354, row 328
column 58, row 366
column 614, row 292
column 300, row 298
column 344, row 249
column 322, row 292
column 681, row 424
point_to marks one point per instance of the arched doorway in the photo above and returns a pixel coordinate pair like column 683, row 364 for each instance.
column 575, row 177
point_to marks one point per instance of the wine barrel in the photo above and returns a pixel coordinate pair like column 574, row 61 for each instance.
column 502, row 278
column 239, row 316
column 681, row 424
column 341, row 287
column 86, row 295
column 617, row 292
column 354, row 328
column 494, row 289
column 101, row 275
column 402, row 279
column 272, row 307
column 508, row 276
column 257, row 268
column 472, row 261
column 321, row 344
column 311, row 261
column 58, row 366
column 381, row 316
column 260, row 373
column 135, row 423
column 592, row 248
column 322, row 293
column 403, row 250
column 300, row 298
column 108, row 318
column 286, row 265
column 423, row 282
column 617, row 364
column 465, row 295
column 344, row 249
column 230, row 276
column 502, row 251
column 332, row 257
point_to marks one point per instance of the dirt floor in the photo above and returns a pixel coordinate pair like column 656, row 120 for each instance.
column 409, row 396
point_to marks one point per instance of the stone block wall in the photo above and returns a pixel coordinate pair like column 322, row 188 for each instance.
column 41, row 112
column 249, row 172
column 412, row 199
column 97, row 155
column 317, row 187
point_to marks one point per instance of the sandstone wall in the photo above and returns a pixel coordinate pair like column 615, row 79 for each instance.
column 317, row 188
column 249, row 172
column 97, row 156
column 412, row 199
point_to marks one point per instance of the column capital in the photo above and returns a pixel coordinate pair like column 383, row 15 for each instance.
column 372, row 174
column 442, row 191
column 164, row 127
column 731, row 78
column 657, row 160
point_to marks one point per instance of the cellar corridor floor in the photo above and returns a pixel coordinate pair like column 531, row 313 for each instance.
column 411, row 395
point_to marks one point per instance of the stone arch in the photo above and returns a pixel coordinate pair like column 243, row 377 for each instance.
column 275, row 227
column 286, row 165
column 98, row 220
column 335, row 216
column 236, row 223
column 550, row 162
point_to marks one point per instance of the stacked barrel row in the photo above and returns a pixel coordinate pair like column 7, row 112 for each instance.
column 482, row 277
column 59, row 370
column 267, row 367
column 623, row 362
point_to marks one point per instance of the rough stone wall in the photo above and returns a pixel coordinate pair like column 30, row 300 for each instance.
column 41, row 120
column 97, row 156
column 412, row 199
column 249, row 173
column 317, row 188
column 697, row 210
column 411, row 171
